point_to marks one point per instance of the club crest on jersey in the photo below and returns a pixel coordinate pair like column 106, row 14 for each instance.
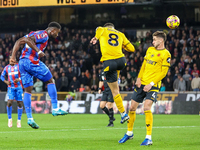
column 152, row 55
column 158, row 55
column 168, row 60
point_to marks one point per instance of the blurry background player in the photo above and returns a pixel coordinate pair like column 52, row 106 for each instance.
column 30, row 65
column 111, row 43
column 106, row 99
column 15, row 91
column 154, row 68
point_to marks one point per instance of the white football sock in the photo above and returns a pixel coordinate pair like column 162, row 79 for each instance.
column 148, row 137
column 129, row 133
column 122, row 114
column 56, row 109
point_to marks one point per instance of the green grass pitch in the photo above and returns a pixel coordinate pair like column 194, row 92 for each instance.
column 89, row 132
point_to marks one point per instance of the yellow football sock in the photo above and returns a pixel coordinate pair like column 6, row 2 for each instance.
column 131, row 121
column 149, row 121
column 119, row 103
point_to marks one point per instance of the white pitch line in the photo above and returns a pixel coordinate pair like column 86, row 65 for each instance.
column 70, row 129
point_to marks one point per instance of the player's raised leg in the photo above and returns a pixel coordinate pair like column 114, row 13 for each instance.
column 118, row 100
column 53, row 95
column 149, row 122
column 130, row 123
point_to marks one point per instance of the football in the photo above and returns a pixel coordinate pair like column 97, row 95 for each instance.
column 173, row 22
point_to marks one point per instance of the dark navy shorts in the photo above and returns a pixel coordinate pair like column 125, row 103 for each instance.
column 139, row 95
column 112, row 68
column 107, row 96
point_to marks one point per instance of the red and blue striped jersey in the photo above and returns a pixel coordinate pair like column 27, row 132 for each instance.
column 41, row 42
column 13, row 73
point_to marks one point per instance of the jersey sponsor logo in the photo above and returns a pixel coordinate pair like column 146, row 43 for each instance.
column 168, row 60
column 12, row 73
column 38, row 36
column 43, row 35
column 151, row 62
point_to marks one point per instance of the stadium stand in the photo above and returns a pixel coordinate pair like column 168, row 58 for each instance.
column 71, row 55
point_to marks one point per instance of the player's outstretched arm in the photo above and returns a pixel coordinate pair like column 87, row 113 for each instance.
column 127, row 44
column 129, row 47
column 99, row 32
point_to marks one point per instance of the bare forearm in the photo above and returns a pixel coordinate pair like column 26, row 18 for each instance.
column 100, row 84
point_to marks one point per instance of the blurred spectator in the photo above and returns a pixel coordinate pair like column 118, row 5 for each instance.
column 83, row 79
column 87, row 88
column 74, row 84
column 188, row 84
column 38, row 85
column 195, row 82
column 181, row 85
column 186, row 76
column 94, row 88
column 176, row 83
column 133, row 73
column 195, row 70
column 94, row 81
column 169, row 84
column 70, row 74
column 63, row 83
column 129, row 80
column 81, row 89
column 162, row 87
column 87, row 74
column 123, row 84
column 76, row 70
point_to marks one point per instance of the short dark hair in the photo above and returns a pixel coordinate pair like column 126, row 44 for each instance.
column 54, row 25
column 160, row 34
column 109, row 24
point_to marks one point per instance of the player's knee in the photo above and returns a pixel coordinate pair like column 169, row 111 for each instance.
column 132, row 108
column 147, row 108
column 9, row 103
column 115, row 92
column 50, row 81
column 109, row 105
column 102, row 105
column 20, row 104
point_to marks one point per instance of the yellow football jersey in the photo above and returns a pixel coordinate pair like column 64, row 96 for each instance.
column 155, row 59
column 111, row 42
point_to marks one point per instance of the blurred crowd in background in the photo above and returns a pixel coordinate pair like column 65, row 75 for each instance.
column 75, row 63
